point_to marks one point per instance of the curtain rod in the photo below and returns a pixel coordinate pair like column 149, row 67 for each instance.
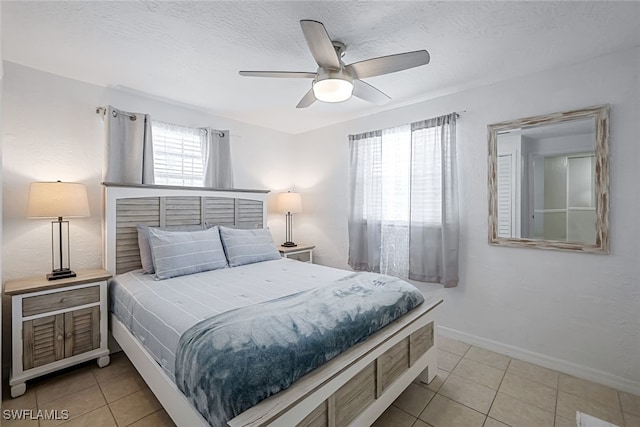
column 103, row 110
column 460, row 112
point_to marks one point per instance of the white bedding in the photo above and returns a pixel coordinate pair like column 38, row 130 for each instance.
column 158, row 312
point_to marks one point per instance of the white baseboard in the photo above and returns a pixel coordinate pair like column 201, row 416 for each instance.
column 584, row 372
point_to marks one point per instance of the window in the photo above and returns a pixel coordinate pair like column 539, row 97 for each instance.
column 178, row 154
column 405, row 180
column 403, row 209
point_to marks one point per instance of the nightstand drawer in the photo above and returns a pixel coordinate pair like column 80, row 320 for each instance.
column 60, row 300
column 301, row 256
column 302, row 253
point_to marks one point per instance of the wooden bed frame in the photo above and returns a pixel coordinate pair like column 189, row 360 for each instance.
column 354, row 388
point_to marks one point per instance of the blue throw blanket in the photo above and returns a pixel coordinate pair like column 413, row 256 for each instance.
column 230, row 362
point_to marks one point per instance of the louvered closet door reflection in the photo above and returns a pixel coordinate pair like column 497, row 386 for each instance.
column 43, row 341
column 505, row 196
column 82, row 331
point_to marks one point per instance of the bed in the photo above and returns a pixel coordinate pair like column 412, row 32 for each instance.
column 353, row 388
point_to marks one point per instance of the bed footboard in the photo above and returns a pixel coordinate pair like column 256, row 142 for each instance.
column 357, row 386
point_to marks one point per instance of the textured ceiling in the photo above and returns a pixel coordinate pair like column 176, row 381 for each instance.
column 191, row 52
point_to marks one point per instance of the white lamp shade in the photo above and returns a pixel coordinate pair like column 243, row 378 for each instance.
column 57, row 199
column 332, row 90
column 289, row 202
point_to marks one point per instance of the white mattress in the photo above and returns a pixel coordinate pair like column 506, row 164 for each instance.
column 158, row 312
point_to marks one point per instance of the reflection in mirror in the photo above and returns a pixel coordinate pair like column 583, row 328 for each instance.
column 547, row 183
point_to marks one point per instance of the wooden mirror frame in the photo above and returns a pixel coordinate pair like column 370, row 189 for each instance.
column 601, row 116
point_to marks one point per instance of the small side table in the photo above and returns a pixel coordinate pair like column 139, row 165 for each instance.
column 56, row 324
column 303, row 253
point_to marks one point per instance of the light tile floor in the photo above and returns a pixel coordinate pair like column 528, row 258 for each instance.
column 474, row 387
column 480, row 388
column 114, row 396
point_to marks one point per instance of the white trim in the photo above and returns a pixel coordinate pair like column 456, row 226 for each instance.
column 580, row 371
column 57, row 365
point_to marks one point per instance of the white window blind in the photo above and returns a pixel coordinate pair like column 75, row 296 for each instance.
column 178, row 154
column 405, row 181
column 426, row 170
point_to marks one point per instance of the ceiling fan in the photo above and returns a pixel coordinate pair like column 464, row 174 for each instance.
column 336, row 82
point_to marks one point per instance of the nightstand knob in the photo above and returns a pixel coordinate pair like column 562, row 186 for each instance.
column 63, row 300
column 59, row 337
column 68, row 335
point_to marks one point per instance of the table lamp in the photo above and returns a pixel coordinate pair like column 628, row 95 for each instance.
column 58, row 200
column 289, row 203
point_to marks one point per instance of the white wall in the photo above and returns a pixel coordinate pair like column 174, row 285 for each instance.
column 576, row 312
column 51, row 132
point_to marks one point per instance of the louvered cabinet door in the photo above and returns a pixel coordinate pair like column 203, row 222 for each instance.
column 81, row 331
column 43, row 341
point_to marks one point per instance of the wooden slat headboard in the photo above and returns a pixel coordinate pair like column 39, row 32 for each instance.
column 126, row 206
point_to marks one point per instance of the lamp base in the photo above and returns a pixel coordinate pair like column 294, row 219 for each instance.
column 289, row 245
column 64, row 273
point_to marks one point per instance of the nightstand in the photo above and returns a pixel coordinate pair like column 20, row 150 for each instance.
column 302, row 253
column 56, row 324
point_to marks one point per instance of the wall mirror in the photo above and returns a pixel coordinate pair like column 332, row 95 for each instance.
column 549, row 181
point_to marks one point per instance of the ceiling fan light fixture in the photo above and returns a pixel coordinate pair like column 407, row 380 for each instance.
column 336, row 82
column 332, row 90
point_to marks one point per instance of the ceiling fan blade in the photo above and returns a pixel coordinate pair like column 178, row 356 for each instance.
column 388, row 64
column 279, row 74
column 320, row 44
column 308, row 99
column 369, row 93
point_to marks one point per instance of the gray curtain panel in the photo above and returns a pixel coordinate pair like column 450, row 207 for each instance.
column 433, row 251
column 216, row 154
column 128, row 147
column 403, row 207
column 365, row 226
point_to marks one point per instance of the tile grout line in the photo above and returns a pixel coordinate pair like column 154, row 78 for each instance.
column 529, row 403
column 121, row 397
column 402, row 410
column 35, row 396
column 498, row 390
column 453, row 354
column 532, row 380
column 461, row 404
column 555, row 408
column 526, row 403
column 105, row 398
column 624, row 420
column 71, row 373
column 425, row 407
